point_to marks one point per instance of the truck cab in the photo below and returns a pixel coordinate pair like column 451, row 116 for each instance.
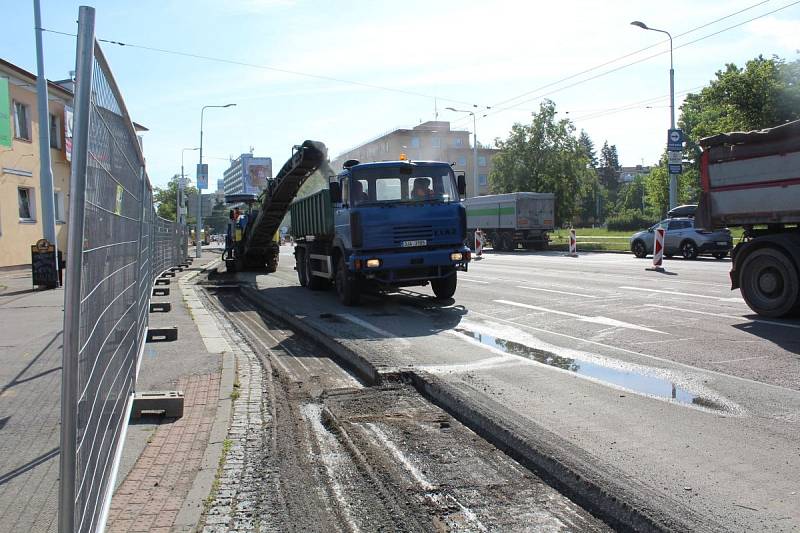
column 394, row 224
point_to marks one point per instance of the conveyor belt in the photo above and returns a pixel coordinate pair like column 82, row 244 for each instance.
column 258, row 242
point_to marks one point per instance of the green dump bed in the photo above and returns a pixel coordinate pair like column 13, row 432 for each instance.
column 312, row 215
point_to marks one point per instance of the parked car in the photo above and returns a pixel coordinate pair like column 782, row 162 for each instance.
column 682, row 238
column 682, row 211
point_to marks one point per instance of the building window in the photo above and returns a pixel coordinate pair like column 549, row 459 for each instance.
column 386, row 146
column 414, row 142
column 462, row 161
column 58, row 203
column 55, row 132
column 458, row 141
column 22, row 125
column 481, row 160
column 436, row 142
column 27, row 213
column 482, row 179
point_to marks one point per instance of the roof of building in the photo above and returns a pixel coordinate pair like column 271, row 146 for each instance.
column 31, row 76
column 57, row 86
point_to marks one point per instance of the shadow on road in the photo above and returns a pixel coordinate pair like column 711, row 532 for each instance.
column 787, row 338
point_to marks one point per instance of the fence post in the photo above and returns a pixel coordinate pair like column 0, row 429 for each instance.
column 72, row 285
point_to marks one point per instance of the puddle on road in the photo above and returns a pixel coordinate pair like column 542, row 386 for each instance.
column 628, row 379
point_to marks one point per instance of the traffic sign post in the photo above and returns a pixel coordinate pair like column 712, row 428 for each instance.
column 675, row 140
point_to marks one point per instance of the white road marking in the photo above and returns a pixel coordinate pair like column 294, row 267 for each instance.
column 676, row 293
column 473, row 280
column 605, row 321
column 734, row 317
column 632, row 352
column 375, row 329
column 737, row 360
column 555, row 291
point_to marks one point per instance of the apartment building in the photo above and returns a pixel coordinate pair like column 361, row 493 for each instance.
column 20, row 193
column 433, row 140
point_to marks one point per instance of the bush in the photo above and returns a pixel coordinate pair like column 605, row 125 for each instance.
column 629, row 221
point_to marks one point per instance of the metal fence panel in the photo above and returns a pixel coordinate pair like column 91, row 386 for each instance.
column 117, row 247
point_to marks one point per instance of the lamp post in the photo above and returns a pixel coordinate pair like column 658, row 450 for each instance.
column 673, row 178
column 199, row 226
column 181, row 185
column 474, row 144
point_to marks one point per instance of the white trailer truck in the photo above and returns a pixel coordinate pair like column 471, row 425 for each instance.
column 513, row 220
column 752, row 180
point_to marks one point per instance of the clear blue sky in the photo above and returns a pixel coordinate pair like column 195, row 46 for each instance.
column 463, row 52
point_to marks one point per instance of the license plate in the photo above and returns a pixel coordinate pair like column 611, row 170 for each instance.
column 722, row 243
column 411, row 244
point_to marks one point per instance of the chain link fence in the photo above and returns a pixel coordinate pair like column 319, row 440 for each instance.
column 116, row 248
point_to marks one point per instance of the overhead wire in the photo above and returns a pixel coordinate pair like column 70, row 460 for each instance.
column 273, row 69
column 496, row 110
column 609, row 62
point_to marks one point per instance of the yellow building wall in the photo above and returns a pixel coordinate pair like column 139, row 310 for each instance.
column 16, row 237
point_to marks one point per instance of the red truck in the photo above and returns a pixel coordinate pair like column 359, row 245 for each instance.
column 752, row 180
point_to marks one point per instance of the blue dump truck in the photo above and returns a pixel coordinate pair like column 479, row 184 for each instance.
column 380, row 226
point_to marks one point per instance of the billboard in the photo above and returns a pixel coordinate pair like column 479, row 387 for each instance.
column 68, row 117
column 256, row 172
column 202, row 176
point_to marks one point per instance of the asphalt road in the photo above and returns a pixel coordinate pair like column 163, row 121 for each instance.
column 666, row 383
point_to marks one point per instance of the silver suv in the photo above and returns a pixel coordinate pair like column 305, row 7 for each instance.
column 682, row 238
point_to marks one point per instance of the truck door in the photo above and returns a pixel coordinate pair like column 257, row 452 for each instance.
column 341, row 213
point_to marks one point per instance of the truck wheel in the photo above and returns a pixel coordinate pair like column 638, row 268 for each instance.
column 445, row 288
column 346, row 285
column 769, row 283
column 300, row 266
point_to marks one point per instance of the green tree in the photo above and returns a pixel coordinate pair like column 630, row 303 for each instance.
column 765, row 93
column 166, row 198
column 587, row 145
column 657, row 188
column 609, row 174
column 543, row 157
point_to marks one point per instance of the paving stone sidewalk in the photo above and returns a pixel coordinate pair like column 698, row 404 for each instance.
column 163, row 457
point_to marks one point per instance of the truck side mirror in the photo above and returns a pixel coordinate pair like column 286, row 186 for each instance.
column 462, row 185
column 335, row 191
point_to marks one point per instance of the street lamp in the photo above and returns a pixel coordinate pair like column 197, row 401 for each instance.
column 199, row 226
column 673, row 178
column 181, row 185
column 474, row 144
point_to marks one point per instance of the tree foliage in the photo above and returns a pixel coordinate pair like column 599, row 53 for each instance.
column 166, row 198
column 544, row 156
column 765, row 93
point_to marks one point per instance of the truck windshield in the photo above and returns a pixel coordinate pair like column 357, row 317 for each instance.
column 406, row 184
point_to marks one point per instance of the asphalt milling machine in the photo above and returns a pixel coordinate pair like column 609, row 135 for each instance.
column 254, row 245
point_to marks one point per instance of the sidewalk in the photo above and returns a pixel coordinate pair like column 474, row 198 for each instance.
column 30, row 406
column 168, row 465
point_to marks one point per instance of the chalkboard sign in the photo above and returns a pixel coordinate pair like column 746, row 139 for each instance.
column 43, row 264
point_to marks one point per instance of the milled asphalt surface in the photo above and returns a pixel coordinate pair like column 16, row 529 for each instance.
column 721, row 455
